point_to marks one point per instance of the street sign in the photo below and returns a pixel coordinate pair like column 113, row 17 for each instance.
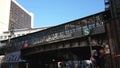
column 86, row 31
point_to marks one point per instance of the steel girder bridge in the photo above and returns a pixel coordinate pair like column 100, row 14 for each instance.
column 73, row 40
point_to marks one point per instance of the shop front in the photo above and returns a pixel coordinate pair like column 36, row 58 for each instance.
column 13, row 60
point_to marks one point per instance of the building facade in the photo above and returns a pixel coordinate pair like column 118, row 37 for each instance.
column 113, row 30
column 20, row 32
column 4, row 15
column 14, row 16
column 113, row 6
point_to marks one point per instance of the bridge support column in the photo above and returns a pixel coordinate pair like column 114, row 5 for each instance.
column 112, row 27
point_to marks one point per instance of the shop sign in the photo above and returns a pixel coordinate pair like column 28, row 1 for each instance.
column 12, row 57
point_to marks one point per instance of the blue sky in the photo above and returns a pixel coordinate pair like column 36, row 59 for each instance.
column 55, row 12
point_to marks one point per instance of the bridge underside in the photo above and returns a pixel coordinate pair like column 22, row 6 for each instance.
column 76, row 53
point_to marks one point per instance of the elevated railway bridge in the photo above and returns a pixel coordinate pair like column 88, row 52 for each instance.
column 74, row 40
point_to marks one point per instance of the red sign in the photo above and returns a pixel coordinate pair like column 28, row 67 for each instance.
column 26, row 45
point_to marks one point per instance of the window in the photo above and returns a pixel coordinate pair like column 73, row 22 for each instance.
column 5, row 37
column 1, row 37
column 107, row 6
column 18, row 35
column 106, row 1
